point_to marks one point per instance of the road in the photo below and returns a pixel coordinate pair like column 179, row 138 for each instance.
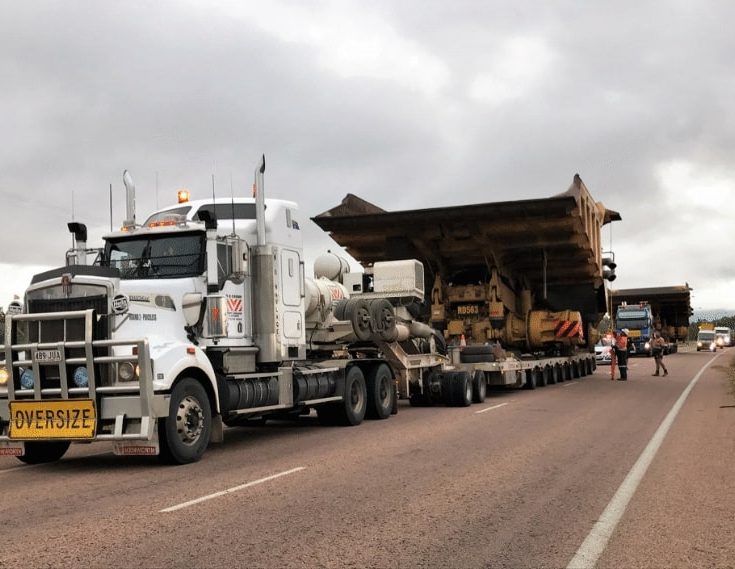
column 519, row 481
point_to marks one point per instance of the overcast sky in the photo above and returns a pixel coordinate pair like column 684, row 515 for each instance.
column 406, row 103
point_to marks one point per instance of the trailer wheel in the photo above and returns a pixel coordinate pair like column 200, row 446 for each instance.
column 540, row 377
column 458, row 388
column 530, row 380
column 351, row 411
column 184, row 434
column 558, row 373
column 549, row 375
column 479, row 387
column 40, row 452
column 380, row 393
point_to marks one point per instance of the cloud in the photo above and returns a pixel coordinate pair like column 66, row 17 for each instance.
column 406, row 104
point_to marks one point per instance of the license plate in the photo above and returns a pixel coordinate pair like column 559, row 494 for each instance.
column 65, row 419
column 634, row 333
column 48, row 356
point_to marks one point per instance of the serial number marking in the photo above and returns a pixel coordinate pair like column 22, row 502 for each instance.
column 467, row 309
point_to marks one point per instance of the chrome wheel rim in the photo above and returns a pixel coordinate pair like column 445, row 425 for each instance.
column 189, row 420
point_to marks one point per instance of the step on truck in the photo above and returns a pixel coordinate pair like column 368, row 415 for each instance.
column 185, row 324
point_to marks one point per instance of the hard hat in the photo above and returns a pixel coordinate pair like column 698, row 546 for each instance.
column 625, row 331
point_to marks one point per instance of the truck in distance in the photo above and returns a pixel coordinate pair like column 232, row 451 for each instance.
column 724, row 334
column 706, row 340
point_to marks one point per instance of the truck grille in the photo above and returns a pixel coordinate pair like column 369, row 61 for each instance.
column 66, row 330
column 98, row 303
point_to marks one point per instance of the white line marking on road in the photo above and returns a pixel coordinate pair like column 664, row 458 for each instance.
column 596, row 542
column 231, row 490
column 571, row 383
column 491, row 408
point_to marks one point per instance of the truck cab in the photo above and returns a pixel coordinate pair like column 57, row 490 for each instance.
column 190, row 322
column 706, row 340
column 723, row 336
column 638, row 319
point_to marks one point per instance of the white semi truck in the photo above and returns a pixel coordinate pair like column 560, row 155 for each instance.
column 185, row 324
column 182, row 326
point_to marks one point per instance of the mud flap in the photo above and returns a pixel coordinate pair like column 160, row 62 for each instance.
column 12, row 448
column 136, row 448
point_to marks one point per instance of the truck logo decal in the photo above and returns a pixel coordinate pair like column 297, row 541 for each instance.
column 120, row 304
column 234, row 304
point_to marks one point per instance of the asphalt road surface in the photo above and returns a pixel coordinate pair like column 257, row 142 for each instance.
column 587, row 472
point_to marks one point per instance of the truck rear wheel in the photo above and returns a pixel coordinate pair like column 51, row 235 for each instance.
column 40, row 452
column 457, row 388
column 184, row 434
column 479, row 387
column 351, row 410
column 380, row 392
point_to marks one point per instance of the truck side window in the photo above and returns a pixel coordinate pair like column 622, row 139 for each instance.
column 224, row 263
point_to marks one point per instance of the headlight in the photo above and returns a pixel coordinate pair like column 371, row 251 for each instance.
column 699, row 344
column 26, row 379
column 126, row 372
column 81, row 377
column 3, row 375
column 647, row 346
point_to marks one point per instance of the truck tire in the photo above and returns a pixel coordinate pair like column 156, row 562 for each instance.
column 40, row 452
column 380, row 392
column 351, row 410
column 459, row 386
column 184, row 434
column 548, row 372
column 530, row 380
column 339, row 309
column 479, row 387
column 357, row 311
column 383, row 319
column 540, row 377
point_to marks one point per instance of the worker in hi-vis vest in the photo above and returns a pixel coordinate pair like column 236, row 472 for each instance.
column 621, row 351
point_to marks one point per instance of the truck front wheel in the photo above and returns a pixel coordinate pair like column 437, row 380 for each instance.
column 39, row 452
column 184, row 434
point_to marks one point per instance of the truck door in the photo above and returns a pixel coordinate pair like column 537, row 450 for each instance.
column 291, row 290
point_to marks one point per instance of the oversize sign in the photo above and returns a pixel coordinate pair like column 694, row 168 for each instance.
column 57, row 419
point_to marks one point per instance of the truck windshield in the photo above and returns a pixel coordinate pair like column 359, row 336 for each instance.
column 632, row 315
column 157, row 257
column 705, row 336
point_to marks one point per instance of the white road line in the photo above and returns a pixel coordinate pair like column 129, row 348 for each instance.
column 231, row 490
column 593, row 546
column 571, row 383
column 491, row 408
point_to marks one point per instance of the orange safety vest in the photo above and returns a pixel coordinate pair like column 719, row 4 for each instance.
column 621, row 343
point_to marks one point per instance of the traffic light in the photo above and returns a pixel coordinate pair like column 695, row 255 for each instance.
column 608, row 267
